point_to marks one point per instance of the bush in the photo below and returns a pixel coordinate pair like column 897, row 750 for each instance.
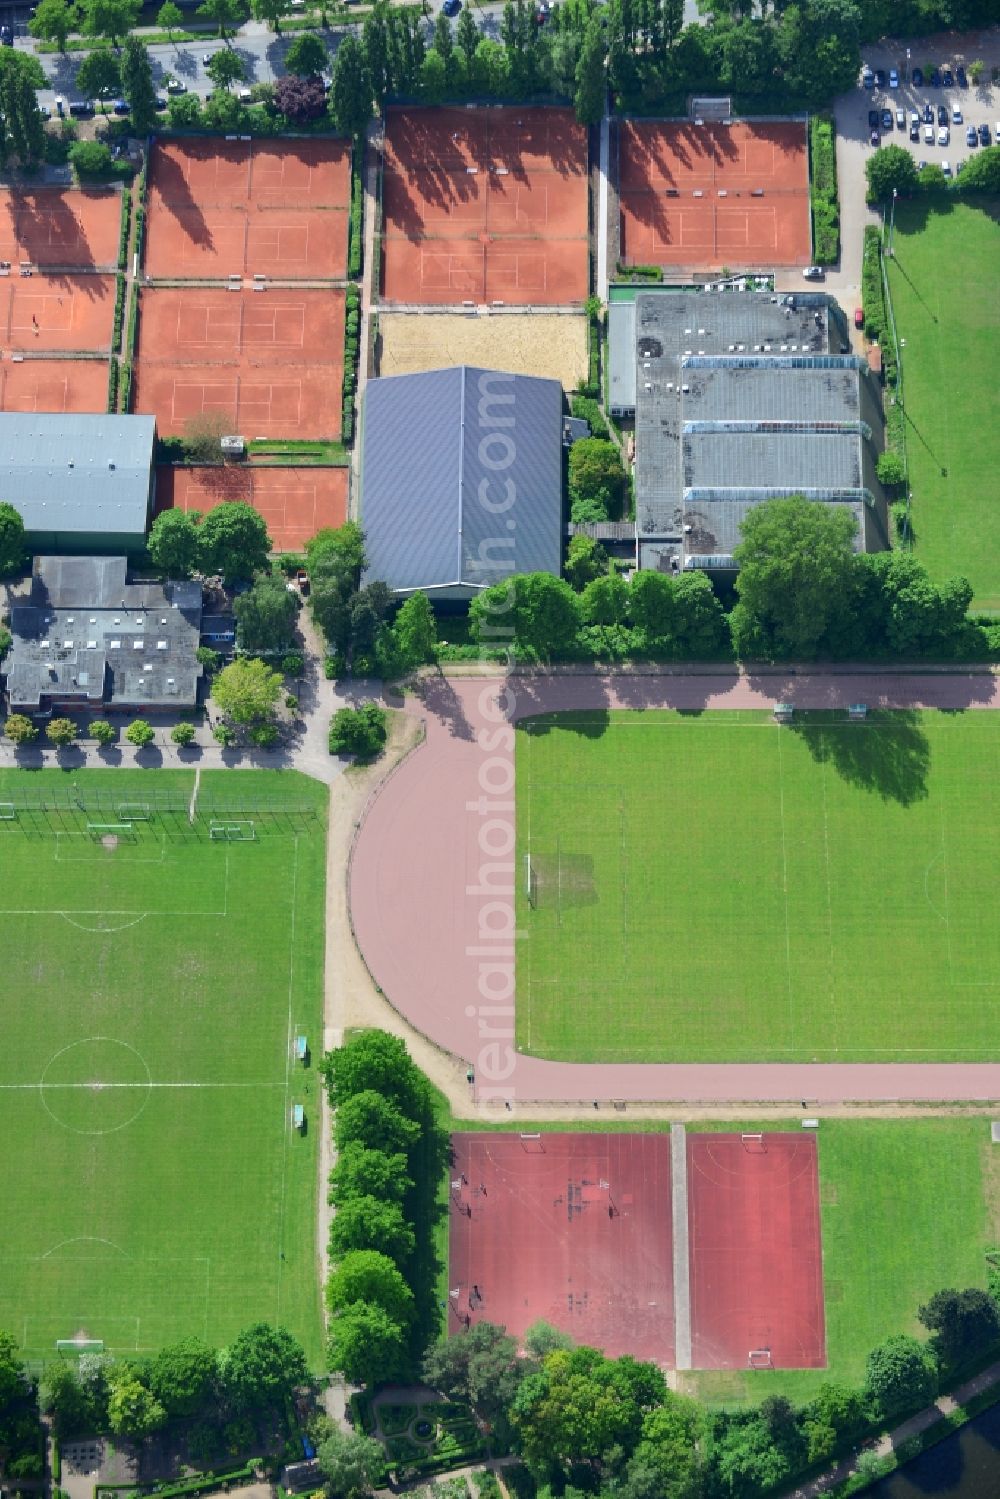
column 823, row 190
column 103, row 732
column 357, row 208
column 182, row 734
column 224, row 735
column 587, row 409
column 113, row 383
column 358, row 731
column 891, row 469
column 20, row 730
column 140, row 733
column 640, row 272
column 90, row 159
column 209, row 659
column 264, row 735
column 291, row 665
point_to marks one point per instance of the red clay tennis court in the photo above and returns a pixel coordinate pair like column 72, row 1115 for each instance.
column 71, row 312
column 220, row 208
column 53, row 226
column 755, row 1252
column 270, row 363
column 295, row 502
column 54, row 385
column 572, row 1228
column 485, row 204
column 707, row 195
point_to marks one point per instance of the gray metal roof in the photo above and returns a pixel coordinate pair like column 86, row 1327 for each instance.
column 74, row 472
column 90, row 637
column 621, row 356
column 461, row 480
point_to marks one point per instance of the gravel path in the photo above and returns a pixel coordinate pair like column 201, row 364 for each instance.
column 420, row 896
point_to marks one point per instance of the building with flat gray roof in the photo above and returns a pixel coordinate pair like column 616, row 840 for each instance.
column 740, row 397
column 81, row 483
column 89, row 639
column 461, row 479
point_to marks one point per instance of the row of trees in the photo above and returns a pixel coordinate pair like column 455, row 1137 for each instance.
column 22, row 133
column 390, row 1157
column 226, row 1390
column 892, row 169
column 232, row 541
column 363, row 630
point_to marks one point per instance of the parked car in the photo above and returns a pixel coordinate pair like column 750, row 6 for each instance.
column 944, row 135
column 928, row 114
column 921, row 165
column 935, row 78
column 814, row 273
column 6, row 36
column 886, row 120
column 928, row 135
column 451, row 7
column 859, row 317
column 82, row 109
column 971, row 138
column 206, row 59
column 917, row 77
column 162, row 101
column 900, row 119
column 880, row 78
column 868, row 79
column 947, row 80
column 874, row 138
column 956, row 115
column 120, row 106
column 946, row 168
column 961, row 79
column 984, row 135
column 176, row 86
column 873, row 118
column 915, row 131
column 942, row 115
column 893, row 78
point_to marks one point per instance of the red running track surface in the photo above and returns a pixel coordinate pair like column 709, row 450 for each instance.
column 756, row 1252
column 572, row 1228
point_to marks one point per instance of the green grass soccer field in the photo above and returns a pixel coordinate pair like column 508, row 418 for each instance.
column 154, row 981
column 715, row 887
column 945, row 285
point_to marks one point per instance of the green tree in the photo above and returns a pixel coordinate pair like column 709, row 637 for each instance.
column 183, row 113
column 360, row 1172
column 535, row 613
column 173, row 544
column 366, row 1223
column 358, row 731
column 60, row 1396
column 591, row 82
column 338, row 549
column 891, row 469
column 351, row 88
column 962, row 1323
column 271, row 11
column 981, row 173
column 918, row 616
column 351, row 1463
column 183, row 1375
column 586, row 559
column 99, row 74
column 133, row 1411
column 140, row 733
column 61, row 732
column 669, row 1450
column 699, row 618
column 416, row 631
column 262, row 1366
column 110, row 18
column 596, row 477
column 6, row 641
column 12, row 547
column 53, row 21
column 182, row 734
column 137, row 85
column 104, row 732
column 225, row 68
column 819, row 49
column 266, row 615
column 369, row 1119
column 90, row 158
column 93, row 1372
column 890, row 169
column 170, row 18
column 467, row 37
column 367, row 1276
column 233, row 541
column 223, row 112
column 542, row 1338
column 900, row 1376
column 246, row 690
column 931, row 178
column 21, row 129
column 748, row 1460
column 19, row 729
column 13, row 1375
column 481, row 1367
column 796, row 563
column 366, row 1346
column 578, row 1408
column 227, row 15
column 376, row 1061
column 605, row 600
column 307, row 56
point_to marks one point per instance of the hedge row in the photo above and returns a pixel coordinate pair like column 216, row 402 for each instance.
column 587, row 409
column 123, row 232
column 873, row 301
column 125, row 385
column 823, row 190
column 640, row 272
column 116, row 339
column 140, row 212
column 357, row 212
column 201, row 1483
column 133, row 322
column 113, row 384
column 352, row 344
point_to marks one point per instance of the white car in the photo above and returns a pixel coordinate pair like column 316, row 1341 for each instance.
column 928, row 135
column 956, row 116
column 944, row 136
column 814, row 273
column 946, row 168
column 914, row 117
column 893, row 78
column 175, row 86
column 900, row 119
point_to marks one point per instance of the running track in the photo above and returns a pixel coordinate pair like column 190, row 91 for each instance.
column 415, row 887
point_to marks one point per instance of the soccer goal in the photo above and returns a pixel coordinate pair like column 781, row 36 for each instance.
column 754, row 1144
column 110, row 830
column 760, row 1358
column 532, row 1144
column 66, row 1347
column 530, row 882
column 135, row 812
column 8, row 812
column 233, row 832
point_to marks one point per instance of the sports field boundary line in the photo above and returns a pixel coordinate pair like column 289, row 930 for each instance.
column 106, row 1087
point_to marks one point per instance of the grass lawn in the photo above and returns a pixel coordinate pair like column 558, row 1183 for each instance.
column 713, row 887
column 945, row 285
column 153, row 1187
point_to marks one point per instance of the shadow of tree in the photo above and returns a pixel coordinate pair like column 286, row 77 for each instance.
column 889, row 754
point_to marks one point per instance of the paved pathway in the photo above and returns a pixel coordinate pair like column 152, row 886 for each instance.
column 433, row 923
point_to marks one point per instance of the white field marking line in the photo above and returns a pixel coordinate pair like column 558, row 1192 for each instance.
column 286, row 1117
column 784, row 878
column 84, row 1239
column 941, row 915
column 829, row 898
column 83, row 926
column 621, row 828
column 101, row 911
column 193, row 804
column 104, row 1087
column 208, row 1294
column 947, row 908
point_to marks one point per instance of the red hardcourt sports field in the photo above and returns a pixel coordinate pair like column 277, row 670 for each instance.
column 271, row 362
column 220, row 208
column 704, row 196
column 756, row 1251
column 54, row 226
column 74, row 312
column 295, row 502
column 485, row 204
column 54, row 385
column 572, row 1228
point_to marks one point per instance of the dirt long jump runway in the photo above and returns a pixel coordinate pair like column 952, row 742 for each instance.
column 419, row 895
